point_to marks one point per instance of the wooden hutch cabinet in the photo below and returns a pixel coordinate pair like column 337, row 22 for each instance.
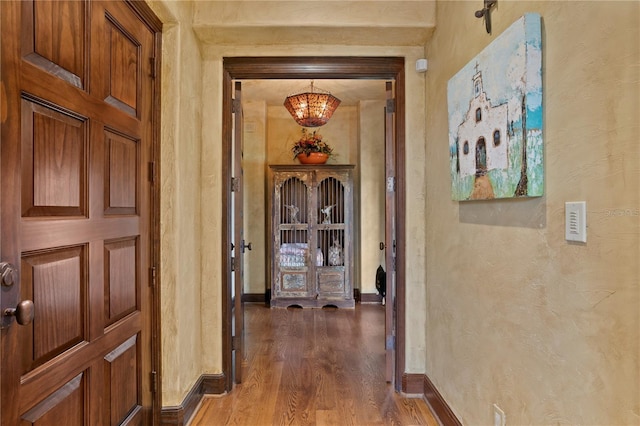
column 312, row 254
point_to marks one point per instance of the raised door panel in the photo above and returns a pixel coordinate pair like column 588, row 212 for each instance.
column 121, row 159
column 124, row 67
column 122, row 384
column 54, row 147
column 64, row 406
column 53, row 38
column 124, row 60
column 56, row 280
column 121, row 282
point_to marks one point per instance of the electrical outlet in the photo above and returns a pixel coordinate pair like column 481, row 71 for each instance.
column 499, row 418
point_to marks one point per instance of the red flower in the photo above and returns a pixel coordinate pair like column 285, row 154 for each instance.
column 310, row 142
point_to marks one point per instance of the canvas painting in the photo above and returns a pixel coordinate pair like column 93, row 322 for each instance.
column 495, row 118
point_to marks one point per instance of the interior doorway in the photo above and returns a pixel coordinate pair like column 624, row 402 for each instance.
column 274, row 68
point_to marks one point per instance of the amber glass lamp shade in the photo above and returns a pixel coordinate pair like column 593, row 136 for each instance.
column 312, row 108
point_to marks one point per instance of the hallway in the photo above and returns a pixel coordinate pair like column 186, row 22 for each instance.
column 314, row 367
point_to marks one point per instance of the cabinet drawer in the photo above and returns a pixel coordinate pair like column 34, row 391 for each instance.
column 330, row 282
column 294, row 282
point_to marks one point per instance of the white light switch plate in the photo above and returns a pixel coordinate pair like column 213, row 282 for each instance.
column 575, row 214
column 499, row 418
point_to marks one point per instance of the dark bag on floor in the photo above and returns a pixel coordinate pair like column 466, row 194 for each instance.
column 381, row 281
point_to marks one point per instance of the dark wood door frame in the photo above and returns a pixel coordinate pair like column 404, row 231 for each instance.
column 154, row 23
column 311, row 67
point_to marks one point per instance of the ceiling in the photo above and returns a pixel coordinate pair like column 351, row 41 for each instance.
column 350, row 92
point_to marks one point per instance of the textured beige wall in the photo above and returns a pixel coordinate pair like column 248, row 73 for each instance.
column 372, row 192
column 180, row 203
column 341, row 133
column 354, row 23
column 346, row 13
column 517, row 316
column 255, row 214
column 211, row 231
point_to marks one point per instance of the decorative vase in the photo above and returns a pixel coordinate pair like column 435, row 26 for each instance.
column 313, row 158
column 335, row 254
column 319, row 257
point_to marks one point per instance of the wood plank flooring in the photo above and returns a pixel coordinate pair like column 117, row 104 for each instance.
column 313, row 367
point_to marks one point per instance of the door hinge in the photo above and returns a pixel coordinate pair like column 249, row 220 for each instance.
column 235, row 343
column 154, row 67
column 391, row 184
column 391, row 105
column 152, row 172
column 233, row 264
column 234, row 184
column 154, row 381
column 237, row 106
column 152, row 277
column 390, row 343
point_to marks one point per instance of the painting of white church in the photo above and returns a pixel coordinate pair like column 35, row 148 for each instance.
column 495, row 118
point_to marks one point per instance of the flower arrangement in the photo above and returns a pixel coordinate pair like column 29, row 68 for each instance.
column 310, row 142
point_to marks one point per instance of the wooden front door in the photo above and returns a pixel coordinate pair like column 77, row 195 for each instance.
column 76, row 218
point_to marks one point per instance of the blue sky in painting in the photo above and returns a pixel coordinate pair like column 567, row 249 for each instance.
column 503, row 64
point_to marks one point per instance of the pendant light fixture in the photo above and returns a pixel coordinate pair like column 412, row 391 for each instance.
column 312, row 108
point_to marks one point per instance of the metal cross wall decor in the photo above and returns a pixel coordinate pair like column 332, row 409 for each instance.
column 486, row 13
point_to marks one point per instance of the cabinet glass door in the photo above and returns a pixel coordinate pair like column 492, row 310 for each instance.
column 330, row 225
column 292, row 254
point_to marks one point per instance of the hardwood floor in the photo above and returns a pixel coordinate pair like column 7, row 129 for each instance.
column 313, row 367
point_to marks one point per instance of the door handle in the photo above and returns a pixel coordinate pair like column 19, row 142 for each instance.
column 382, row 246
column 24, row 312
column 246, row 246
